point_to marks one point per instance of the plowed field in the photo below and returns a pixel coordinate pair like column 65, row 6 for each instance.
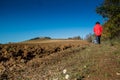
column 15, row 57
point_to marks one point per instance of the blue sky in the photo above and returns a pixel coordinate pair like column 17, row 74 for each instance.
column 25, row 19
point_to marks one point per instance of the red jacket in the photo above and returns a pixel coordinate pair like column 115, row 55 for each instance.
column 98, row 30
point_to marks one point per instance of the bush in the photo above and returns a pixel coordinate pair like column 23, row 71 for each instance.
column 89, row 37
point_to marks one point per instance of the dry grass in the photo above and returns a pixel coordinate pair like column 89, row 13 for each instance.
column 93, row 63
column 51, row 41
column 82, row 61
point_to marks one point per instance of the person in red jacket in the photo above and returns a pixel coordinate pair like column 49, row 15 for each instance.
column 98, row 31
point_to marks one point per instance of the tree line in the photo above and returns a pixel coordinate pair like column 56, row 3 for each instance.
column 110, row 10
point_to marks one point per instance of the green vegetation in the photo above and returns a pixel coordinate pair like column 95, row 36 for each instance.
column 110, row 10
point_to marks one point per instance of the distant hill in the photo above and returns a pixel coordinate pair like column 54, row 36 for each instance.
column 49, row 39
column 38, row 38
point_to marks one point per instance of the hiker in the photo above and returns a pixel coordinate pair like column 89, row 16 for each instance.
column 98, row 31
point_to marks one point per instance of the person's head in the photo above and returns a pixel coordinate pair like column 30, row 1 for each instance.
column 97, row 22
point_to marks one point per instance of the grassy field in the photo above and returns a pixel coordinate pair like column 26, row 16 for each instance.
column 73, row 60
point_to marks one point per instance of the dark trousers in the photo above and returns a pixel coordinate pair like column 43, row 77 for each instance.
column 98, row 39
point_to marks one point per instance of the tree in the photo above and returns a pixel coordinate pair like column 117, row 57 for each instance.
column 110, row 9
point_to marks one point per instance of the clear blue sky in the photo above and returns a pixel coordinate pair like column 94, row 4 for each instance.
column 25, row 19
